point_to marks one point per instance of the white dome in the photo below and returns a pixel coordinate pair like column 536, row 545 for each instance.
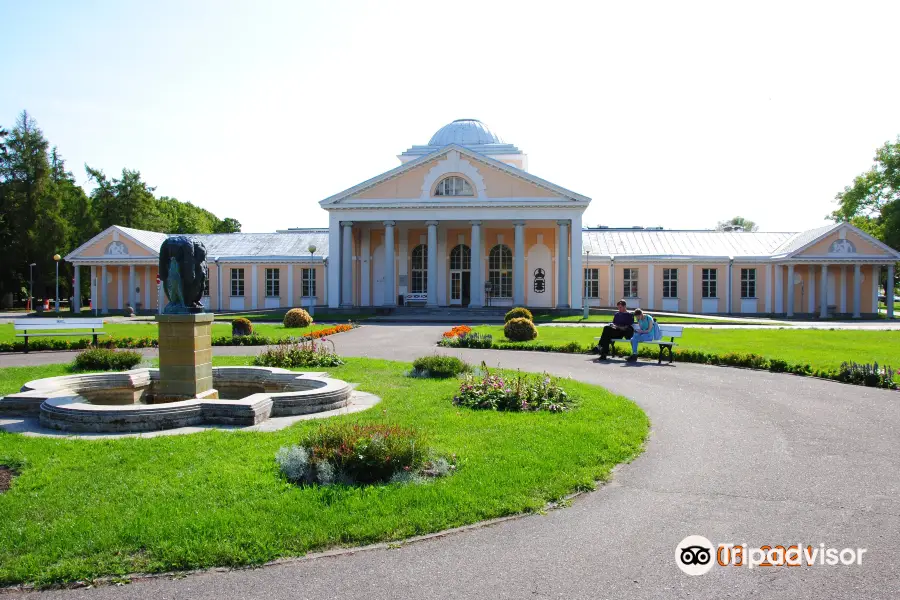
column 465, row 132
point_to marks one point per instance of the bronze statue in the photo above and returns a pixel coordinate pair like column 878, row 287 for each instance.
column 184, row 272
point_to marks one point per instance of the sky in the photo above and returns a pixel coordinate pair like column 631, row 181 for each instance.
column 674, row 114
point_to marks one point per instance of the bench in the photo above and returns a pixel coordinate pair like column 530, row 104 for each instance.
column 83, row 325
column 667, row 331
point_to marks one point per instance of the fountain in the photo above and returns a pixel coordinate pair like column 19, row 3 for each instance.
column 186, row 390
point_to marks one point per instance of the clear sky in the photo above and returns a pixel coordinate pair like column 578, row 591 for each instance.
column 677, row 114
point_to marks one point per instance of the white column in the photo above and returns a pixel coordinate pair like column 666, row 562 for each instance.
column 76, row 290
column 442, row 263
column 402, row 260
column 120, row 295
column 729, row 293
column 147, row 270
column 779, row 289
column 843, row 292
column 768, row 289
column 811, row 291
column 365, row 266
column 857, row 289
column 104, row 308
column 132, row 300
column 611, row 281
column 254, row 286
column 562, row 261
column 790, row 294
column 390, row 281
column 519, row 264
column 876, row 277
column 476, row 282
column 690, row 289
column 347, row 263
column 333, row 269
column 889, row 292
column 432, row 263
column 823, row 292
column 290, row 282
column 651, row 285
column 576, row 260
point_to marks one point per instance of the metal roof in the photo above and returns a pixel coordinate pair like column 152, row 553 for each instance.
column 465, row 132
column 798, row 240
column 151, row 239
column 293, row 243
column 611, row 242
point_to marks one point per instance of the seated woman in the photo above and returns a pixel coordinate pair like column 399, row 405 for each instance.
column 644, row 331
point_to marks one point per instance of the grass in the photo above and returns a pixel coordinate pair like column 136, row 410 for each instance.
column 823, row 349
column 82, row 509
column 606, row 317
column 149, row 329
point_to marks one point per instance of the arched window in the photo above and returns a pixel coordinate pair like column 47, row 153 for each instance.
column 461, row 258
column 500, row 264
column 453, row 186
column 419, row 270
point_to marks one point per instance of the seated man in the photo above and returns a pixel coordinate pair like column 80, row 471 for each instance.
column 622, row 327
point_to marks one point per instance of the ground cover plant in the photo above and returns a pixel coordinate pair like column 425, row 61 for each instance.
column 80, row 509
column 440, row 366
column 299, row 353
column 512, row 392
column 801, row 351
column 106, row 359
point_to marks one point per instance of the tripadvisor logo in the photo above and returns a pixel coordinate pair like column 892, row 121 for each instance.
column 694, row 555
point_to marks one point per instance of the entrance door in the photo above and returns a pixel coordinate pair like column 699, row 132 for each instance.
column 378, row 276
column 466, row 288
column 460, row 287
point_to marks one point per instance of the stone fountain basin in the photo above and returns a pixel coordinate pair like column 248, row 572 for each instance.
column 112, row 402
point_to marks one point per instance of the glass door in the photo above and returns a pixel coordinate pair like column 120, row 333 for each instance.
column 455, row 287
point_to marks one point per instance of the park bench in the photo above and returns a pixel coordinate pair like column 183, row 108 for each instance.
column 666, row 331
column 44, row 327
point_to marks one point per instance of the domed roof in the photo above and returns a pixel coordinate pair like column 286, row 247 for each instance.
column 465, row 132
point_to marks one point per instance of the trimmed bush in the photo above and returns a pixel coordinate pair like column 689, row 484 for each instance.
column 439, row 366
column 297, row 317
column 301, row 353
column 104, row 359
column 519, row 312
column 520, row 329
column 241, row 327
column 354, row 454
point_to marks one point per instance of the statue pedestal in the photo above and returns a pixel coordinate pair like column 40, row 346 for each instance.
column 185, row 357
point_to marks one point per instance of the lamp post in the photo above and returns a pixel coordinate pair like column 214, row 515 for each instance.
column 31, row 285
column 56, row 258
column 312, row 298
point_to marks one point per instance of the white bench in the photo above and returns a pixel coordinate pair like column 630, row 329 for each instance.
column 666, row 331
column 29, row 325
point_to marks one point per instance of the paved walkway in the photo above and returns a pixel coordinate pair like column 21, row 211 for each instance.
column 738, row 456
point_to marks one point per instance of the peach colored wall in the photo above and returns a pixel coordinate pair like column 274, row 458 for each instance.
column 862, row 246
column 866, row 292
column 498, row 184
column 721, row 285
column 619, row 283
column 408, row 185
column 99, row 247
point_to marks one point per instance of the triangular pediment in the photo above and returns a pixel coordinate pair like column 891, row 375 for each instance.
column 844, row 241
column 116, row 243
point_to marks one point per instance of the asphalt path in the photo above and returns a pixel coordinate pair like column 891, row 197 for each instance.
column 737, row 456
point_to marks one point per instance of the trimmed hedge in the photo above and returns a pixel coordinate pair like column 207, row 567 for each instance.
column 241, row 326
column 518, row 312
column 520, row 329
column 439, row 366
column 297, row 317
column 105, row 359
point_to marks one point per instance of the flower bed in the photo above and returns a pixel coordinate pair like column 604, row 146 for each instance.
column 522, row 393
column 300, row 353
column 458, row 331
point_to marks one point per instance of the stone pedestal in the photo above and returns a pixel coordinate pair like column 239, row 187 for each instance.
column 185, row 357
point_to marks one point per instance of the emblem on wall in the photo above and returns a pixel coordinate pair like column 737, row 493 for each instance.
column 842, row 247
column 539, row 282
column 116, row 249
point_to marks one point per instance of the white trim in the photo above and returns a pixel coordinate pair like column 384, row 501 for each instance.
column 254, row 292
column 749, row 306
column 811, row 290
column 365, row 266
column 768, row 303
column 876, row 277
column 442, row 264
column 146, row 289
column 843, row 299
column 651, row 285
column 120, row 301
column 842, row 228
column 116, row 230
column 690, row 288
column 779, row 289
column 290, row 285
column 670, row 304
column 576, row 262
column 452, row 165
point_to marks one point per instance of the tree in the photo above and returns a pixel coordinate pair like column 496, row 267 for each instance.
column 747, row 224
column 872, row 202
column 228, row 225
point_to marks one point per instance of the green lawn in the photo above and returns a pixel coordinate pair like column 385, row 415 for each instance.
column 82, row 509
column 149, row 329
column 821, row 349
column 606, row 317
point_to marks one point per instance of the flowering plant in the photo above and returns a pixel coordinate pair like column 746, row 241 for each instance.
column 299, row 353
column 523, row 392
column 457, row 331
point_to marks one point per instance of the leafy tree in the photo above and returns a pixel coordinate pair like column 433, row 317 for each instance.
column 228, row 225
column 747, row 224
column 872, row 202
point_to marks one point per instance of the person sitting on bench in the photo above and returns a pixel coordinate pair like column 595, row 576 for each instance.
column 645, row 330
column 622, row 327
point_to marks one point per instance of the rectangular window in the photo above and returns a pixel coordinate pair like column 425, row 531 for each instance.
column 592, row 283
column 309, row 283
column 710, row 289
column 273, row 283
column 670, row 283
column 748, row 283
column 237, row 282
column 630, row 279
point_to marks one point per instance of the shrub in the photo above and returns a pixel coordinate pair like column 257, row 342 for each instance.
column 104, row 359
column 868, row 375
column 523, row 393
column 352, row 454
column 241, row 327
column 520, row 329
column 439, row 366
column 468, row 340
column 519, row 312
column 299, row 353
column 297, row 317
